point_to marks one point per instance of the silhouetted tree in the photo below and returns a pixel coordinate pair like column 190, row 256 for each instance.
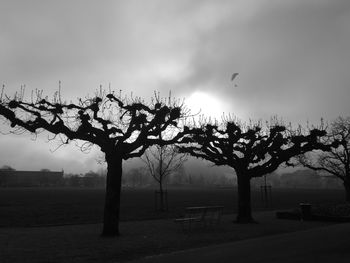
column 122, row 128
column 161, row 161
column 335, row 161
column 136, row 177
column 4, row 174
column 7, row 168
column 251, row 150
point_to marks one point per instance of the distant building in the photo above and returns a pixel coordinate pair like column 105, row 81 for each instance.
column 12, row 178
column 87, row 180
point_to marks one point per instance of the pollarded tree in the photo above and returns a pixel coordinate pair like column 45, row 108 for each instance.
column 336, row 161
column 122, row 128
column 252, row 151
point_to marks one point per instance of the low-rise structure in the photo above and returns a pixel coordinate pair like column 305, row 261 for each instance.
column 11, row 178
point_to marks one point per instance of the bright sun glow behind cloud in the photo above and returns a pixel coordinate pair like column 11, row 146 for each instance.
column 206, row 104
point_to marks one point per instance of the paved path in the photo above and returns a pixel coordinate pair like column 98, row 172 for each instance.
column 319, row 245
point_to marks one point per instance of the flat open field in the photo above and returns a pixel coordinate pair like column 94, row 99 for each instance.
column 80, row 242
column 57, row 206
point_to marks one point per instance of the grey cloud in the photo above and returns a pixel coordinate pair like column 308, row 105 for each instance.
column 49, row 38
column 288, row 56
column 24, row 153
column 292, row 56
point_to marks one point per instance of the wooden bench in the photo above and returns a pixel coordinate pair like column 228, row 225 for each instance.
column 201, row 215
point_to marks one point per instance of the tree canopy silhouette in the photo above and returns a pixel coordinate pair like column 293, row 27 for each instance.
column 251, row 150
column 336, row 161
column 122, row 127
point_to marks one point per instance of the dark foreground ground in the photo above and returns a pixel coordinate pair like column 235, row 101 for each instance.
column 63, row 225
column 329, row 244
column 82, row 243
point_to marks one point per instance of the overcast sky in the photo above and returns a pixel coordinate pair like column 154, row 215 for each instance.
column 292, row 57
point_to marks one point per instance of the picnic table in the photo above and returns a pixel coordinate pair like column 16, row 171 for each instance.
column 201, row 215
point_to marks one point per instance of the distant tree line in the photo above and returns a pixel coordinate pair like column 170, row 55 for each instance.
column 302, row 179
column 89, row 179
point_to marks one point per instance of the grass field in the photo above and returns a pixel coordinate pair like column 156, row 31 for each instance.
column 73, row 240
column 83, row 244
column 59, row 206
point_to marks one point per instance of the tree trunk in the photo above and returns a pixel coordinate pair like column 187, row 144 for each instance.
column 161, row 196
column 112, row 198
column 161, row 193
column 347, row 190
column 244, row 203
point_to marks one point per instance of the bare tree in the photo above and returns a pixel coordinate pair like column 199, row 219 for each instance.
column 7, row 168
column 161, row 161
column 122, row 128
column 251, row 150
column 336, row 161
